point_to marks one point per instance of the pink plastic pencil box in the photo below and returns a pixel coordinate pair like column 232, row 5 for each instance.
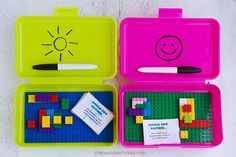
column 170, row 41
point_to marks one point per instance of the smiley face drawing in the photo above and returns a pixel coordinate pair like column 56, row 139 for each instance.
column 169, row 47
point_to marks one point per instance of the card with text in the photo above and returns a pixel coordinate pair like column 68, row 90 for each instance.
column 163, row 131
column 92, row 112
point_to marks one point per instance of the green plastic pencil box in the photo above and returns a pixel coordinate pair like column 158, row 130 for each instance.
column 64, row 38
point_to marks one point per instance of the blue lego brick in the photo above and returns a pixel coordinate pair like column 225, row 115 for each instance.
column 147, row 110
column 67, row 133
column 50, row 112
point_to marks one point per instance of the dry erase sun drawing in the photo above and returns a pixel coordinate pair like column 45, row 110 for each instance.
column 60, row 43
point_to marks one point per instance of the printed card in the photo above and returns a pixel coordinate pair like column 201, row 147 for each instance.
column 163, row 131
column 93, row 113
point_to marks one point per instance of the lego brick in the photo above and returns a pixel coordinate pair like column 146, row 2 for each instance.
column 50, row 112
column 137, row 101
column 54, row 98
column 139, row 119
column 165, row 105
column 31, row 98
column 65, row 106
column 45, row 121
column 31, row 124
column 57, row 125
column 49, row 129
column 147, row 110
column 195, row 124
column 56, row 119
column 183, row 134
column 41, row 112
column 68, row 120
column 187, row 119
column 181, row 113
column 182, row 101
column 187, row 108
column 57, row 114
column 191, row 102
column 42, row 98
column 77, row 132
column 64, row 103
column 141, row 105
column 135, row 112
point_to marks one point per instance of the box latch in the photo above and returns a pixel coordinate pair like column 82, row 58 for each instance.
column 170, row 12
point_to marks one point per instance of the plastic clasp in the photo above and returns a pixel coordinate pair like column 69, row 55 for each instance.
column 66, row 11
column 170, row 12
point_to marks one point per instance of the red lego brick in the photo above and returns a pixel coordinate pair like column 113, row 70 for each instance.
column 31, row 124
column 187, row 108
column 40, row 119
column 204, row 123
column 195, row 124
column 54, row 98
column 42, row 112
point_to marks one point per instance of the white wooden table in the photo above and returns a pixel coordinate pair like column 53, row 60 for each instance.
column 224, row 11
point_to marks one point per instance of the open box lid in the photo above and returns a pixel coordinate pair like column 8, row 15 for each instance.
column 66, row 38
column 169, row 41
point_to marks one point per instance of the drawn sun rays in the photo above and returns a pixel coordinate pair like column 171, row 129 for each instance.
column 60, row 43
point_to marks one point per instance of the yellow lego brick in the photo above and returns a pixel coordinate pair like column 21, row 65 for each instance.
column 193, row 109
column 139, row 119
column 68, row 120
column 45, row 121
column 191, row 102
column 56, row 119
column 181, row 113
column 31, row 98
column 183, row 134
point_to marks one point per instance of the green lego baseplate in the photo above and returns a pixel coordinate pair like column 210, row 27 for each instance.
column 165, row 105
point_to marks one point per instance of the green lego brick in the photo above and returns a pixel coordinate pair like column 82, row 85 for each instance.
column 64, row 103
column 65, row 106
column 141, row 105
column 57, row 114
column 165, row 105
column 187, row 119
column 57, row 125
